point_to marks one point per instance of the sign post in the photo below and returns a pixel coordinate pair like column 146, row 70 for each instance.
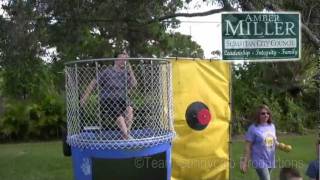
column 259, row 36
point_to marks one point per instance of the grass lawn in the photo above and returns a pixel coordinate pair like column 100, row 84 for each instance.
column 34, row 161
column 44, row 161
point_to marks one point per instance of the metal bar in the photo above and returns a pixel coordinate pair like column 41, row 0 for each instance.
column 170, row 92
column 231, row 105
column 99, row 95
column 77, row 100
column 112, row 59
column 318, row 85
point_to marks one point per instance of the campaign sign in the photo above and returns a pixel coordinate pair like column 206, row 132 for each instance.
column 259, row 36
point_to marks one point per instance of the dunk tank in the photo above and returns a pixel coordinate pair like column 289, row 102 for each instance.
column 119, row 118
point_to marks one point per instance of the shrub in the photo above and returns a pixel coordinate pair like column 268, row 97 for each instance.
column 33, row 120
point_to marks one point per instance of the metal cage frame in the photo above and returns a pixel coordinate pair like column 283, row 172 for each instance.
column 101, row 95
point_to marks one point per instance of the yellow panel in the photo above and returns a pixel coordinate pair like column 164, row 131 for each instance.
column 201, row 154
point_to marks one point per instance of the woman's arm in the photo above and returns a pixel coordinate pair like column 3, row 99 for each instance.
column 133, row 81
column 246, row 158
column 88, row 92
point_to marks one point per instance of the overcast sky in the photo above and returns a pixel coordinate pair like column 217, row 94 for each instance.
column 206, row 30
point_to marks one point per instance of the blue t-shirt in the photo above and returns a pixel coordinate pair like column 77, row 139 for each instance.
column 263, row 139
column 313, row 170
column 114, row 83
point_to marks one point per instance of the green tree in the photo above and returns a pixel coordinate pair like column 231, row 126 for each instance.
column 24, row 73
column 81, row 29
column 77, row 29
column 289, row 85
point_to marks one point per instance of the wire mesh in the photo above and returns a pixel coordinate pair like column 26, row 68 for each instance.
column 119, row 103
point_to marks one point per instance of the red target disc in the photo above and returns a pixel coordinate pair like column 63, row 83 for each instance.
column 198, row 116
column 204, row 116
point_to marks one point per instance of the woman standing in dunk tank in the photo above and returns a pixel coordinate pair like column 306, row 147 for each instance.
column 114, row 83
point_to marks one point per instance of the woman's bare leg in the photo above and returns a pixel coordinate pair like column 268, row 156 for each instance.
column 123, row 127
column 129, row 117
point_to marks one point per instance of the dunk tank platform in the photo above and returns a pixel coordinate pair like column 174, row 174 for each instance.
column 100, row 149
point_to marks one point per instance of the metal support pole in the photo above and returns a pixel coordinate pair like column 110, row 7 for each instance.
column 318, row 86
column 99, row 96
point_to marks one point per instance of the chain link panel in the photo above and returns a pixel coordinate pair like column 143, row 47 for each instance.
column 112, row 106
